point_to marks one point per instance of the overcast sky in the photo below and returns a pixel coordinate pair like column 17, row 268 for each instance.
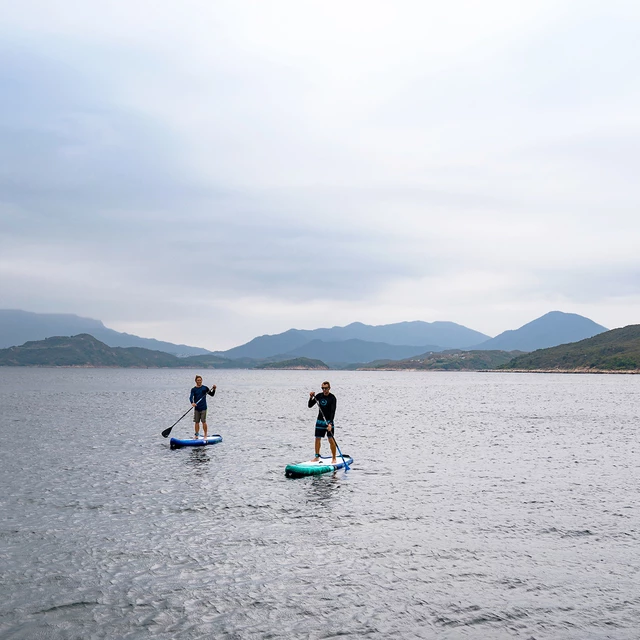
column 204, row 172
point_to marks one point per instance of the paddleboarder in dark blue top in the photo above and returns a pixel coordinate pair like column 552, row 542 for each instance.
column 198, row 399
column 327, row 404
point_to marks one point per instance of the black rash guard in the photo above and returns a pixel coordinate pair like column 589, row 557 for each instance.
column 328, row 405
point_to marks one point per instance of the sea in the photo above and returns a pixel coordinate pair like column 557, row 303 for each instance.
column 479, row 505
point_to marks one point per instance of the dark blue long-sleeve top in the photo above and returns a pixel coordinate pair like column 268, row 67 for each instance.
column 199, row 396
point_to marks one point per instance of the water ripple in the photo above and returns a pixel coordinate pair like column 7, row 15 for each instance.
column 480, row 506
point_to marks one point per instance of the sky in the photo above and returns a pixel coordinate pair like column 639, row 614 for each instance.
column 205, row 172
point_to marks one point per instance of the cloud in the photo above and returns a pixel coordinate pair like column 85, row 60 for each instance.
column 248, row 166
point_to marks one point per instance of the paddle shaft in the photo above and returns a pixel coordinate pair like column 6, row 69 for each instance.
column 346, row 466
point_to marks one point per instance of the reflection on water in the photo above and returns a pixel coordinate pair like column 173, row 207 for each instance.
column 198, row 458
column 494, row 506
column 323, row 489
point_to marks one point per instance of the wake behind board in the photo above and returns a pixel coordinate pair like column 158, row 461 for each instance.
column 176, row 443
column 315, row 467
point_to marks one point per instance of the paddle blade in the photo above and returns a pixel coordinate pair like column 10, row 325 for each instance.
column 166, row 432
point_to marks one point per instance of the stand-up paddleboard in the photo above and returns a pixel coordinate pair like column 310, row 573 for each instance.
column 316, row 467
column 176, row 443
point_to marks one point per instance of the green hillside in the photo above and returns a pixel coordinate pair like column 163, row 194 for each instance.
column 616, row 350
column 84, row 350
column 450, row 360
column 295, row 363
column 211, row 362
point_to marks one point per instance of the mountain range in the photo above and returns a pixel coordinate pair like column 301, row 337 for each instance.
column 612, row 351
column 84, row 350
column 441, row 335
column 352, row 350
column 552, row 329
column 336, row 346
column 18, row 327
column 615, row 350
column 364, row 343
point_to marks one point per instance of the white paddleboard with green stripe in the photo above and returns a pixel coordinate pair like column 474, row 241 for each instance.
column 316, row 467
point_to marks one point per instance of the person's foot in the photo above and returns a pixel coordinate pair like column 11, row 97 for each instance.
column 196, row 436
column 315, row 458
column 334, row 461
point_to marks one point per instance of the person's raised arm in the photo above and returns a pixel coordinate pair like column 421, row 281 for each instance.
column 212, row 391
column 312, row 399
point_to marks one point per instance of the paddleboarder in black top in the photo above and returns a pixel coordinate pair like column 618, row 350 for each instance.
column 198, row 399
column 324, row 424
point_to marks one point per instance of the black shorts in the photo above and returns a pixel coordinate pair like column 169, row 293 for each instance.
column 321, row 430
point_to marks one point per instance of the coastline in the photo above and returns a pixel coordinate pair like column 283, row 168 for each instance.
column 302, row 368
column 579, row 370
column 582, row 370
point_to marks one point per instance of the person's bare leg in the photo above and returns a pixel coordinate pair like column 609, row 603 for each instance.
column 318, row 442
column 204, row 428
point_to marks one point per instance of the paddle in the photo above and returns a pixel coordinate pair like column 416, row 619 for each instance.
column 166, row 432
column 346, row 464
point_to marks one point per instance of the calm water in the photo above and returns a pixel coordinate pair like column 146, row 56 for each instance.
column 479, row 506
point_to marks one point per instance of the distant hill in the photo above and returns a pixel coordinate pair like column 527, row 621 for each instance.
column 84, row 350
column 450, row 360
column 295, row 363
column 551, row 329
column 614, row 350
column 354, row 350
column 209, row 361
column 442, row 335
column 18, row 327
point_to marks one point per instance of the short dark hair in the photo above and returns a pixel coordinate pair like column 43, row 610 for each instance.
column 327, row 383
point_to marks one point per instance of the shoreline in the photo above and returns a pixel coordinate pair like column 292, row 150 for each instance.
column 581, row 371
column 385, row 369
